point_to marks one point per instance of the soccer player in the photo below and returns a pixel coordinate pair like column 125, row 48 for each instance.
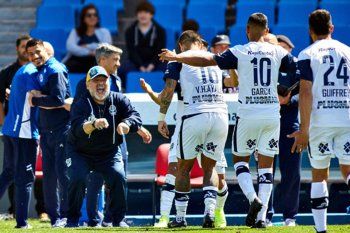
column 168, row 190
column 258, row 64
column 324, row 109
column 204, row 106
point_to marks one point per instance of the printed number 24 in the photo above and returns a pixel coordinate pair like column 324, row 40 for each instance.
column 342, row 71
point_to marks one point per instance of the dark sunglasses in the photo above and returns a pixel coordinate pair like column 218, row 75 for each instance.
column 89, row 15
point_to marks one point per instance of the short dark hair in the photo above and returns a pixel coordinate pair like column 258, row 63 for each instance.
column 258, row 20
column 189, row 36
column 320, row 22
column 33, row 42
column 190, row 24
column 145, row 6
column 21, row 38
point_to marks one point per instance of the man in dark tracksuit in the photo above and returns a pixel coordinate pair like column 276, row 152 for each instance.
column 99, row 120
column 53, row 128
column 289, row 163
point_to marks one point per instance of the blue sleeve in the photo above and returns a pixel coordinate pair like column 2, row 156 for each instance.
column 305, row 70
column 128, row 114
column 78, row 117
column 172, row 71
column 226, row 60
column 288, row 64
column 58, row 83
column 32, row 83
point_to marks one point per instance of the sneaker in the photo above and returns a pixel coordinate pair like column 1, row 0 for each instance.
column 71, row 225
column 177, row 223
column 320, row 231
column 268, row 223
column 24, row 227
column 107, row 224
column 6, row 216
column 123, row 224
column 163, row 222
column 44, row 217
column 254, row 209
column 289, row 222
column 208, row 221
column 259, row 224
column 60, row 223
column 220, row 218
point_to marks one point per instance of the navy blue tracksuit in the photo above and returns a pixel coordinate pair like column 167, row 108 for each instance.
column 98, row 152
column 289, row 163
column 53, row 127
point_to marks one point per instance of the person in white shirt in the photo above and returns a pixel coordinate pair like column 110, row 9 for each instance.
column 324, row 109
column 258, row 64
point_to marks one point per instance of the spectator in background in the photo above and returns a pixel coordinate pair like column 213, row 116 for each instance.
column 83, row 40
column 190, row 24
column 144, row 40
column 6, row 76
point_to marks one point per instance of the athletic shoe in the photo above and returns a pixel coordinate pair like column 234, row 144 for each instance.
column 254, row 209
column 268, row 223
column 289, row 222
column 163, row 222
column 177, row 223
column 6, row 216
column 60, row 223
column 220, row 218
column 259, row 224
column 123, row 224
column 107, row 224
column 208, row 221
column 24, row 227
column 44, row 217
column 320, row 231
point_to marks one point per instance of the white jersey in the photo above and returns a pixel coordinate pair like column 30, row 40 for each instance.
column 258, row 65
column 327, row 64
column 201, row 87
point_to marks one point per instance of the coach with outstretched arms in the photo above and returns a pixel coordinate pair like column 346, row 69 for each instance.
column 99, row 119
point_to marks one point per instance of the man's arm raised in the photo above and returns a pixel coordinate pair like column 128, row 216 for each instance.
column 192, row 59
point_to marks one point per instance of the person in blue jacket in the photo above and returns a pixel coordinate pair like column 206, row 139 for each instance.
column 53, row 127
column 21, row 140
column 99, row 119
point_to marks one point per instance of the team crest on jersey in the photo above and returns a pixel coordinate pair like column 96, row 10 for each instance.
column 41, row 78
column 112, row 110
column 273, row 143
column 251, row 143
column 323, row 147
column 69, row 162
column 211, row 146
column 347, row 148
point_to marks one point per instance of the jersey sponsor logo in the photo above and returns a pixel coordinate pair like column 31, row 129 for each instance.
column 112, row 110
column 323, row 148
column 209, row 98
column 261, row 53
column 261, row 100
column 330, row 104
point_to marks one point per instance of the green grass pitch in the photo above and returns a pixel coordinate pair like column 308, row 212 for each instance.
column 8, row 226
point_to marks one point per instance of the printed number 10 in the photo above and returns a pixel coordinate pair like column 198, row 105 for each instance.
column 260, row 67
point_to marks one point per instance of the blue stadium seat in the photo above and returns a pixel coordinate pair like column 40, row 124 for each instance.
column 118, row 4
column 155, row 79
column 206, row 2
column 169, row 15
column 299, row 35
column 209, row 15
column 303, row 9
column 342, row 33
column 171, row 37
column 57, row 37
column 47, row 17
column 238, row 35
column 208, row 33
column 339, row 11
column 61, row 2
column 246, row 8
column 74, row 78
column 166, row 2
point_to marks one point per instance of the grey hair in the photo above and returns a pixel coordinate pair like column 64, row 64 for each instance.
column 105, row 50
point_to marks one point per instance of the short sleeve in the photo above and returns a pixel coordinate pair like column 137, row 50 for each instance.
column 173, row 71
column 304, row 67
column 226, row 60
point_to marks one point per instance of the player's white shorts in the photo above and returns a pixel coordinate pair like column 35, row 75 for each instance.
column 173, row 144
column 329, row 142
column 204, row 133
column 251, row 135
column 220, row 166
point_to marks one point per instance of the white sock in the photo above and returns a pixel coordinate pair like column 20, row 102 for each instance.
column 210, row 194
column 265, row 189
column 181, row 203
column 167, row 195
column 221, row 197
column 319, row 204
column 245, row 180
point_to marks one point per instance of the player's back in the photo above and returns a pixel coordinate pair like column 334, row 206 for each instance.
column 258, row 66
column 202, row 88
column 330, row 65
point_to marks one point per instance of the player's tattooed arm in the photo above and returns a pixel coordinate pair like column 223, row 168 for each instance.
column 192, row 59
column 166, row 95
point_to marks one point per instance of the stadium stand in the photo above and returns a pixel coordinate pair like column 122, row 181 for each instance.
column 155, row 79
column 74, row 78
column 303, row 9
column 61, row 2
column 246, row 8
column 45, row 19
column 339, row 10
